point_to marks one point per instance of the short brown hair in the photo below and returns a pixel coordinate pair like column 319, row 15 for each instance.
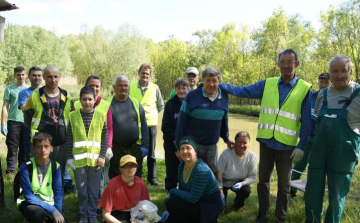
column 18, row 69
column 145, row 66
column 39, row 137
column 182, row 82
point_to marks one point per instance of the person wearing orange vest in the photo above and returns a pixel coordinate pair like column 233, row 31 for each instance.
column 283, row 129
column 150, row 97
column 87, row 142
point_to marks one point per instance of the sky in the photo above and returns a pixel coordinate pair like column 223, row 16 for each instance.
column 158, row 19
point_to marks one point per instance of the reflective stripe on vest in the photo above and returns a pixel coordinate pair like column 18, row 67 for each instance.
column 136, row 105
column 86, row 149
column 45, row 192
column 148, row 101
column 282, row 123
column 38, row 109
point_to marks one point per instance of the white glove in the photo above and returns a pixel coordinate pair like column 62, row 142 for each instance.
column 109, row 154
column 58, row 218
column 296, row 155
column 70, row 163
column 237, row 186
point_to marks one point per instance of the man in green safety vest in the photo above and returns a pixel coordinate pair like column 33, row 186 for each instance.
column 150, row 97
column 283, row 129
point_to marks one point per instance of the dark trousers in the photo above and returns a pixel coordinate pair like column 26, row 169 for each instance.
column 281, row 158
column 120, row 150
column 27, row 143
column 58, row 154
column 35, row 214
column 241, row 195
column 171, row 163
column 151, row 161
column 182, row 211
column 123, row 216
column 15, row 141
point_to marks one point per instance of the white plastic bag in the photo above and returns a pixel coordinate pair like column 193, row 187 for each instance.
column 144, row 212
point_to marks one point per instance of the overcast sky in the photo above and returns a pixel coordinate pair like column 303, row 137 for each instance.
column 157, row 19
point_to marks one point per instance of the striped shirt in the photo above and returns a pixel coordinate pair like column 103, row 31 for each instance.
column 201, row 183
column 86, row 117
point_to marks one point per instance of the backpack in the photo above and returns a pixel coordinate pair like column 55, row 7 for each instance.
column 17, row 187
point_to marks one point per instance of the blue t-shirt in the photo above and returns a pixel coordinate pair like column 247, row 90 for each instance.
column 23, row 95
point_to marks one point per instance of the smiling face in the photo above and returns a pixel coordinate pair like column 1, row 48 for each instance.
column 193, row 79
column 241, row 145
column 96, row 85
column 20, row 77
column 35, row 78
column 188, row 153
column 181, row 91
column 340, row 75
column 288, row 64
column 128, row 170
column 87, row 102
column 144, row 75
column 211, row 84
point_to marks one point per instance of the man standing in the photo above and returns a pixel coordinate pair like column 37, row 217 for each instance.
column 150, row 97
column 35, row 77
column 192, row 75
column 204, row 115
column 335, row 150
column 324, row 81
column 47, row 110
column 285, row 115
column 14, row 131
column 129, row 126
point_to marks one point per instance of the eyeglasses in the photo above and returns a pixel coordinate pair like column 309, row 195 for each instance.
column 287, row 62
column 129, row 166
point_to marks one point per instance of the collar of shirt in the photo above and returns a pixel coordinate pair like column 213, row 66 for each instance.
column 143, row 87
column 218, row 92
column 292, row 82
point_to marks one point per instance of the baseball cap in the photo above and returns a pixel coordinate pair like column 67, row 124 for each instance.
column 192, row 70
column 324, row 75
column 127, row 159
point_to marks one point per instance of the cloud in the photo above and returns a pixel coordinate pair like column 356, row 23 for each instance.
column 117, row 6
column 32, row 7
column 74, row 7
column 58, row 27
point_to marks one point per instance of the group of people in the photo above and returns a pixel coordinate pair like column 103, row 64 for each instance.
column 295, row 125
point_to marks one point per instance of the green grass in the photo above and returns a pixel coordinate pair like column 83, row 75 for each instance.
column 296, row 213
column 251, row 110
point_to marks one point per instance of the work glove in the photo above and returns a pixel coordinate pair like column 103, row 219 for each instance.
column 223, row 200
column 237, row 186
column 58, row 218
column 70, row 163
column 4, row 130
column 144, row 151
column 296, row 155
column 165, row 216
column 109, row 154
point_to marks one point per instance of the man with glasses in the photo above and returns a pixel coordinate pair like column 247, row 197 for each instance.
column 285, row 115
column 12, row 122
column 335, row 150
column 35, row 78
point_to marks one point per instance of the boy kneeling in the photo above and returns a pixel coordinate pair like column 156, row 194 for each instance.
column 42, row 194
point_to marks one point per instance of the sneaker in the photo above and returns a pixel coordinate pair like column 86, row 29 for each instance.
column 293, row 192
column 238, row 208
column 93, row 220
column 83, row 220
column 153, row 182
column 261, row 217
column 10, row 174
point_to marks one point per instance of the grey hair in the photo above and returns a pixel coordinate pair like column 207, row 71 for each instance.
column 122, row 78
column 211, row 71
column 242, row 134
column 182, row 82
column 343, row 58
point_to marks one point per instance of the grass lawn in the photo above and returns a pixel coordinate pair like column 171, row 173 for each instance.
column 296, row 213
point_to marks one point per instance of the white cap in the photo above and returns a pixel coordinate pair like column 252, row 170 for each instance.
column 192, row 70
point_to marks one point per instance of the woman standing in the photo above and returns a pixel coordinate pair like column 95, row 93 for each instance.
column 198, row 197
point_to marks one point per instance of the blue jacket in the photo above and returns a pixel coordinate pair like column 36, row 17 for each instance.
column 203, row 119
column 32, row 199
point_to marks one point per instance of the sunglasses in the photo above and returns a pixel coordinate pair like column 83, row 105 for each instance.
column 129, row 166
